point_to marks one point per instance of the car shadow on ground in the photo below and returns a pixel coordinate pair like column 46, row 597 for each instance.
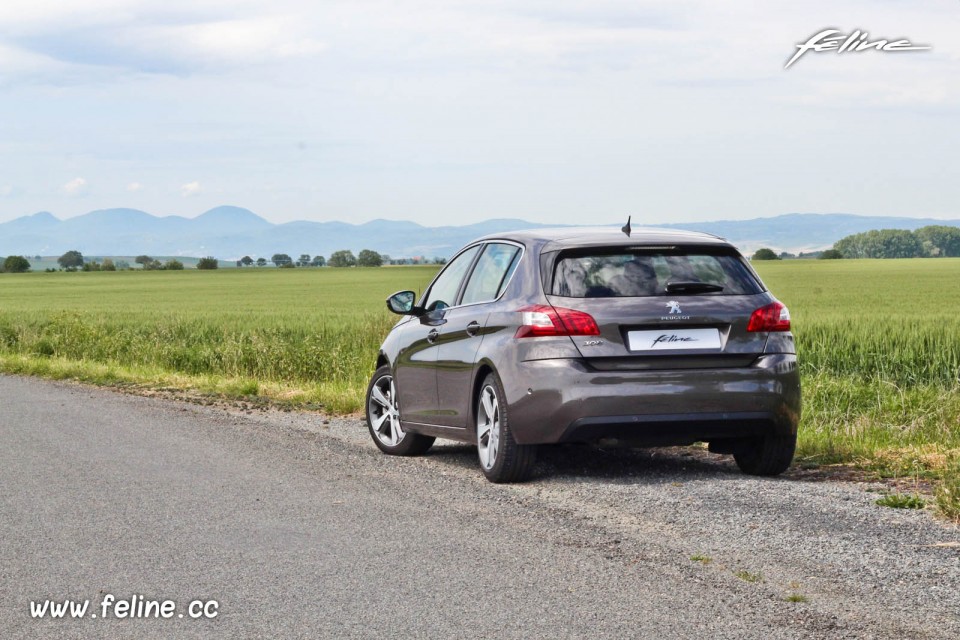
column 580, row 462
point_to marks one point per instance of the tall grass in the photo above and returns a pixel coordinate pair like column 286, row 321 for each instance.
column 879, row 349
column 309, row 335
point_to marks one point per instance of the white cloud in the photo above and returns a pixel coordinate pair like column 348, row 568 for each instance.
column 133, row 187
column 554, row 106
column 255, row 39
column 64, row 40
column 76, row 187
column 6, row 191
column 190, row 189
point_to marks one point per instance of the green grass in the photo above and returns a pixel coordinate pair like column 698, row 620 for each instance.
column 901, row 501
column 297, row 335
column 701, row 559
column 879, row 344
column 797, row 597
column 879, row 349
column 948, row 493
column 746, row 576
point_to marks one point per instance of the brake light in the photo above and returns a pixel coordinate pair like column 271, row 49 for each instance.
column 547, row 320
column 773, row 317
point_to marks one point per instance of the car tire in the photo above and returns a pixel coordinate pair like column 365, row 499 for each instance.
column 501, row 458
column 769, row 455
column 383, row 418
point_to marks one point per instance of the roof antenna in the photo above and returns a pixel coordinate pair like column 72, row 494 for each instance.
column 626, row 228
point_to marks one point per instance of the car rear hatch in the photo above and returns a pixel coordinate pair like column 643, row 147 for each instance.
column 676, row 307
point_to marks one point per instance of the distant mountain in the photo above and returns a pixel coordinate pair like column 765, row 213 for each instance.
column 233, row 219
column 231, row 232
column 37, row 223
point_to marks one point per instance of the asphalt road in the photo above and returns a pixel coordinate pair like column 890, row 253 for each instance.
column 300, row 528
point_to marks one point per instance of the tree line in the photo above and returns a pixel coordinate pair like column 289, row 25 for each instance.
column 75, row 261
column 933, row 241
column 342, row 258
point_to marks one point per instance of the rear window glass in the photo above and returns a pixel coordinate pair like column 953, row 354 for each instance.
column 635, row 273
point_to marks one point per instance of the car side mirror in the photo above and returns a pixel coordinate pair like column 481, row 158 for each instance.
column 402, row 303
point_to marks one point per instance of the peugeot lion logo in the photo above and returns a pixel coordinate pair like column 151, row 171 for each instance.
column 674, row 306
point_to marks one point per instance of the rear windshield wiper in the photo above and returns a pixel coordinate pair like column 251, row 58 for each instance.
column 692, row 287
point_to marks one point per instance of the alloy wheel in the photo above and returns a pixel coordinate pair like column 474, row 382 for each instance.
column 488, row 427
column 384, row 411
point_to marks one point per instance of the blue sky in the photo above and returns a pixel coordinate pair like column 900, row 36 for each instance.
column 446, row 112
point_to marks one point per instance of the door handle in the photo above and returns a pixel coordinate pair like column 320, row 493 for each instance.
column 432, row 336
column 473, row 328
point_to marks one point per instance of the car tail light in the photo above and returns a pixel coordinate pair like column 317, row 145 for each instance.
column 773, row 317
column 547, row 320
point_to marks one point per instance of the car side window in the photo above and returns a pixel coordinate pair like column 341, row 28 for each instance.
column 491, row 272
column 443, row 293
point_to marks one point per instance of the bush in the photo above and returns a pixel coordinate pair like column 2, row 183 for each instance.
column 208, row 263
column 108, row 265
column 16, row 264
column 71, row 259
column 342, row 258
column 174, row 265
column 765, row 254
column 368, row 258
column 831, row 254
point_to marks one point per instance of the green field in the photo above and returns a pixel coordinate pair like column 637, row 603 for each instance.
column 306, row 336
column 879, row 342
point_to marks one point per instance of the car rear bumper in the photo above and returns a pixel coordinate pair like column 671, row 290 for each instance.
column 565, row 400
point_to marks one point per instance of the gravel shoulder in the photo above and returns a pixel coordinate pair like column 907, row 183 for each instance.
column 301, row 528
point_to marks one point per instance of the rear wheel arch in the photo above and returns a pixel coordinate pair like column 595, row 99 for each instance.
column 382, row 360
column 483, row 369
column 501, row 458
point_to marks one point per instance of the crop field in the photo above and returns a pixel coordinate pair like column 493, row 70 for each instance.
column 305, row 336
column 879, row 345
column 879, row 342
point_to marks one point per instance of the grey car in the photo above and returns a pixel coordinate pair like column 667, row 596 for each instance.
column 526, row 339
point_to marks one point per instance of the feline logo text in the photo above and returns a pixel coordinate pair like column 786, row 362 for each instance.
column 835, row 40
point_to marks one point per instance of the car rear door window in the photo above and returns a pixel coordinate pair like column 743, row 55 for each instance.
column 493, row 271
column 444, row 291
column 639, row 272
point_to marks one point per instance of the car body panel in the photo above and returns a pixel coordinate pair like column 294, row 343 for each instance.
column 546, row 397
column 414, row 369
column 459, row 342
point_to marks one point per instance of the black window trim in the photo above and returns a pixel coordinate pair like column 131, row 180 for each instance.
column 473, row 262
column 473, row 265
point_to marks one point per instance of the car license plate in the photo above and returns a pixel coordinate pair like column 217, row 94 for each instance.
column 673, row 339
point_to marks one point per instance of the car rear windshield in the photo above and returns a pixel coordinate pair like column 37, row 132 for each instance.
column 633, row 272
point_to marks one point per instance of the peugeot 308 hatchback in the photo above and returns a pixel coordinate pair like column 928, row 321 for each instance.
column 533, row 338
